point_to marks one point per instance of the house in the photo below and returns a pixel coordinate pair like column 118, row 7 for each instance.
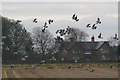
column 89, row 50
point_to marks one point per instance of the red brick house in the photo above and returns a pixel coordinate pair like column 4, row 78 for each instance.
column 92, row 50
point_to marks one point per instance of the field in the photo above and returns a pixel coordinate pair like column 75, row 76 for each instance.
column 60, row 71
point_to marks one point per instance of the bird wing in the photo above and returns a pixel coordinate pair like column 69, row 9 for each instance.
column 88, row 25
column 49, row 21
column 73, row 17
column 98, row 19
column 77, row 20
column 57, row 31
column 93, row 25
column 45, row 24
column 34, row 20
column 116, row 35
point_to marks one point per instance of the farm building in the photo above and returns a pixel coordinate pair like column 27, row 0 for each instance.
column 89, row 50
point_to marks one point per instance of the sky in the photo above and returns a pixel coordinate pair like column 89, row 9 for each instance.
column 61, row 13
column 60, row 0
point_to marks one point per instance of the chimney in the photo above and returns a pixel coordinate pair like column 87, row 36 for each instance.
column 71, row 39
column 93, row 39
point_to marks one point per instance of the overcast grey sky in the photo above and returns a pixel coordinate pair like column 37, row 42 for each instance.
column 61, row 13
column 60, row 0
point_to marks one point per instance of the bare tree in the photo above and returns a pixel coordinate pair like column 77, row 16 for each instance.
column 113, row 42
column 76, row 35
column 43, row 41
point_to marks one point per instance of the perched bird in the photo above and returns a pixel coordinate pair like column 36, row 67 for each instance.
column 43, row 61
column 50, row 21
column 111, row 67
column 87, row 68
column 92, row 70
column 88, row 25
column 12, row 66
column 69, row 66
column 99, row 36
column 98, row 21
column 18, row 21
column 115, row 37
column 35, row 20
column 94, row 26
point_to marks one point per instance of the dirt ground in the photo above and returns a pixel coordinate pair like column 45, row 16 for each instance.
column 60, row 73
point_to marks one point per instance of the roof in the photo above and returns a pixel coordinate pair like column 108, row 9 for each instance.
column 84, row 45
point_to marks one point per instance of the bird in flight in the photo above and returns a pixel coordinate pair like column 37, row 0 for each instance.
column 115, row 37
column 74, row 17
column 57, row 31
column 50, row 21
column 43, row 30
column 88, row 26
column 99, row 36
column 35, row 20
column 94, row 26
column 61, row 32
column 18, row 21
column 45, row 25
column 98, row 21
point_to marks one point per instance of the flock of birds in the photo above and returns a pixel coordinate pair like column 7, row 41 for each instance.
column 88, row 68
column 63, row 32
column 69, row 30
column 69, row 67
column 74, row 17
column 94, row 27
column 45, row 25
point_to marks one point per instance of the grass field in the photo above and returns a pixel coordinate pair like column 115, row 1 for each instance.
column 78, row 70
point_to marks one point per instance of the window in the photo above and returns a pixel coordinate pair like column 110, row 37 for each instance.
column 73, row 51
column 101, row 49
column 62, row 59
column 76, row 51
column 104, row 57
column 65, row 50
column 75, row 58
column 104, row 50
column 87, row 52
